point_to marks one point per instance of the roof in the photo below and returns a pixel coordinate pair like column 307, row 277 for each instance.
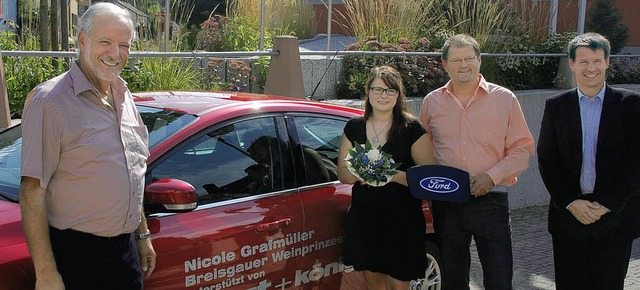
column 131, row 8
column 199, row 102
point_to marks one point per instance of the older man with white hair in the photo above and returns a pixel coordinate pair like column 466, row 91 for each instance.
column 83, row 163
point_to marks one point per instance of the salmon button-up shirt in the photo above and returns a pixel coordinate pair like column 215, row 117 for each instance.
column 489, row 135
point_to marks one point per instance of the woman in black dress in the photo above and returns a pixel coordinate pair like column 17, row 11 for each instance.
column 385, row 226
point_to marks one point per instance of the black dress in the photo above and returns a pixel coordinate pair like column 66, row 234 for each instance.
column 385, row 226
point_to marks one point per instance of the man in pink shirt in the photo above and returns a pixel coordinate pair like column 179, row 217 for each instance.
column 476, row 126
column 84, row 153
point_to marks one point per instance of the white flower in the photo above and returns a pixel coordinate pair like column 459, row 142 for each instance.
column 374, row 155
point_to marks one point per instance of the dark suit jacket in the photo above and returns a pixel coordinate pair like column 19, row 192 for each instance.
column 617, row 163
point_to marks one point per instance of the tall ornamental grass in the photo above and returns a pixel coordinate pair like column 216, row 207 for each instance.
column 163, row 74
column 284, row 17
column 389, row 20
column 492, row 22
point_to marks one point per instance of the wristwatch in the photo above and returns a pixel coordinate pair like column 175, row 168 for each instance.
column 141, row 236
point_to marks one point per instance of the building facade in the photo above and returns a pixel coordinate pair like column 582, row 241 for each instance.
column 567, row 17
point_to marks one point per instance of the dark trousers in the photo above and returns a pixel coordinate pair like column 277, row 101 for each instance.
column 591, row 264
column 86, row 261
column 487, row 220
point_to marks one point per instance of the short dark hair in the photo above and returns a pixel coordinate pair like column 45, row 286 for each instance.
column 592, row 40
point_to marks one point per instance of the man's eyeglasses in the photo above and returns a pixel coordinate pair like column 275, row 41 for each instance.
column 378, row 91
column 458, row 61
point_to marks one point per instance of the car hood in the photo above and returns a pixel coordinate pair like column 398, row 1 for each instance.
column 10, row 226
column 16, row 268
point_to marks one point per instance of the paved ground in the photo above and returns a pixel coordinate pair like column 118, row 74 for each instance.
column 319, row 42
column 533, row 257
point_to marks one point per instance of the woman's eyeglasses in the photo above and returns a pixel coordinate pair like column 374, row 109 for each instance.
column 378, row 91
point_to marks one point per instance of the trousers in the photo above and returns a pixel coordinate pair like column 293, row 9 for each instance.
column 87, row 261
column 486, row 219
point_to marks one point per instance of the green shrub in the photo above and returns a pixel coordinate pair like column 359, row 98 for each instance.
column 520, row 73
column 623, row 70
column 219, row 33
column 240, row 33
column 605, row 18
column 22, row 74
column 420, row 74
column 243, row 34
column 211, row 37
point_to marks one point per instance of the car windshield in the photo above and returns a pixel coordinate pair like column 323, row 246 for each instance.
column 161, row 124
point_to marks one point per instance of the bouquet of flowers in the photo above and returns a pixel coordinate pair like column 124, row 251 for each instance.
column 370, row 165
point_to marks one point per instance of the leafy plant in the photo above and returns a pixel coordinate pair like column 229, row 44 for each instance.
column 25, row 73
column 526, row 72
column 243, row 34
column 211, row 36
column 153, row 74
column 260, row 68
column 623, row 70
column 420, row 74
column 353, row 86
column 220, row 33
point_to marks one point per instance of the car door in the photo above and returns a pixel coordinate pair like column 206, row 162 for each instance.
column 247, row 227
column 316, row 140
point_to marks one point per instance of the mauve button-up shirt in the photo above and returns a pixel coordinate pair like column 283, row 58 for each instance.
column 489, row 135
column 90, row 158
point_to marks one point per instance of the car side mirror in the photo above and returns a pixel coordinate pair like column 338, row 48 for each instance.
column 169, row 195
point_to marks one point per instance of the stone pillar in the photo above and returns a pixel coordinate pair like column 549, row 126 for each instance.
column 285, row 72
column 565, row 78
column 5, row 117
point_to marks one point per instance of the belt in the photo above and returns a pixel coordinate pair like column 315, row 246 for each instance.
column 74, row 234
column 494, row 191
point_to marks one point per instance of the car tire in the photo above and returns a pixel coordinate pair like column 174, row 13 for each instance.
column 433, row 274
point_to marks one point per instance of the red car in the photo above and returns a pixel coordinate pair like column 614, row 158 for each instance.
column 241, row 193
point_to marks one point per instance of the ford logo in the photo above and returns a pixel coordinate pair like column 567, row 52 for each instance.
column 439, row 184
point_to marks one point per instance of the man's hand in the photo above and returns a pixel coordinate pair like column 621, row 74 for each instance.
column 602, row 211
column 147, row 257
column 481, row 184
column 586, row 212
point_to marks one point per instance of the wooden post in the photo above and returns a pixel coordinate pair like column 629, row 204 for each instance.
column 285, row 71
column 5, row 117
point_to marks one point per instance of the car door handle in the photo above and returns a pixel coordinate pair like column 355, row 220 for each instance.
column 274, row 225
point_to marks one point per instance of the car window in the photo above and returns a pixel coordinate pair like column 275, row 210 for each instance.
column 232, row 161
column 163, row 123
column 319, row 143
column 10, row 158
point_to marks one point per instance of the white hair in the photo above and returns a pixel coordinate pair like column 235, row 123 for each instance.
column 104, row 8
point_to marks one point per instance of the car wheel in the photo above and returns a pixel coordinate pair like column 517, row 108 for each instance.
column 433, row 275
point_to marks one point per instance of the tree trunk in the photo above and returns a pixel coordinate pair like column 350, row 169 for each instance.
column 43, row 24
column 64, row 24
column 55, row 28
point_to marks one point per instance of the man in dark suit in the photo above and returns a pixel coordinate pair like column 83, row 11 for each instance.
column 588, row 156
